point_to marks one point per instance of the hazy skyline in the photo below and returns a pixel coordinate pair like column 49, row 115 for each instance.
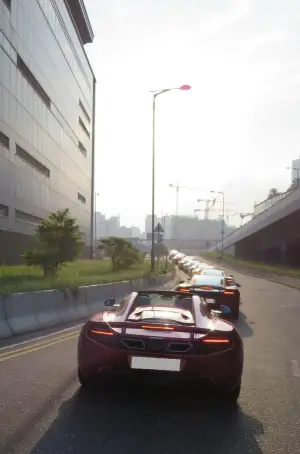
column 238, row 125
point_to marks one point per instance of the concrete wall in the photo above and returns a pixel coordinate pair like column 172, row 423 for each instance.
column 46, row 126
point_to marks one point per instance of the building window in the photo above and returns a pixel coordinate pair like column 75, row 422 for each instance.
column 4, row 210
column 4, row 140
column 84, row 111
column 7, row 3
column 81, row 148
column 22, row 154
column 32, row 80
column 84, row 128
column 81, row 198
column 26, row 217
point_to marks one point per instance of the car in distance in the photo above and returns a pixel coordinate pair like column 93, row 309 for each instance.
column 215, row 291
column 165, row 333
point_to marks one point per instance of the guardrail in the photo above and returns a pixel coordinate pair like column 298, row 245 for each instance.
column 22, row 313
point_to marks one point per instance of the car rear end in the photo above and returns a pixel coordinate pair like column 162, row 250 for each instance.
column 217, row 296
column 163, row 351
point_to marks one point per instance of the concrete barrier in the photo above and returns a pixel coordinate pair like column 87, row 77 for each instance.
column 95, row 295
column 21, row 313
column 121, row 289
column 45, row 306
column 5, row 329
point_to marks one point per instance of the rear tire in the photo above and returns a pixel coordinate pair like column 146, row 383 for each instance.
column 234, row 395
column 85, row 382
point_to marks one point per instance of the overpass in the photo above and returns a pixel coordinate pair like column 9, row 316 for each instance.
column 273, row 235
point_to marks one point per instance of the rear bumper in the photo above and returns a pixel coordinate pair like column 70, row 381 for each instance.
column 221, row 369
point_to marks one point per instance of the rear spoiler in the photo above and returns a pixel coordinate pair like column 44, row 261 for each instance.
column 159, row 326
column 206, row 292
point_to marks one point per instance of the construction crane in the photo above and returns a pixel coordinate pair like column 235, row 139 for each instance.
column 243, row 216
column 177, row 188
column 208, row 207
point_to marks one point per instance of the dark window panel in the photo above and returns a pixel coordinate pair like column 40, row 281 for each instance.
column 81, row 198
column 84, row 111
column 4, row 140
column 84, row 128
column 33, row 81
column 32, row 161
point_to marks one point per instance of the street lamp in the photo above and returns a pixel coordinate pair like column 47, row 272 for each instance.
column 157, row 93
column 223, row 219
column 95, row 227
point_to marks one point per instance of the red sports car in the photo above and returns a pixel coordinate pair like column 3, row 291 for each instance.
column 166, row 333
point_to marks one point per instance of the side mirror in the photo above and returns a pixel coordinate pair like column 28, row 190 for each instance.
column 238, row 285
column 110, row 302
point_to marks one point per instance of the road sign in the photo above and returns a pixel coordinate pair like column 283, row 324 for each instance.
column 159, row 228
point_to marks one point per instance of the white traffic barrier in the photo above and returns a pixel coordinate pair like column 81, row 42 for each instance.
column 45, row 305
column 67, row 307
column 121, row 289
column 20, row 313
column 5, row 329
column 95, row 295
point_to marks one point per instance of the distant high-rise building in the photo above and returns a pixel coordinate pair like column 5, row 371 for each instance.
column 136, row 233
column 113, row 226
column 148, row 223
column 295, row 169
column 100, row 225
column 125, row 232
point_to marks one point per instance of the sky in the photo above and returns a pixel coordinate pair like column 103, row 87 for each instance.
column 237, row 130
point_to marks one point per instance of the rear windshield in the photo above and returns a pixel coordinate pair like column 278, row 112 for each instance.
column 214, row 281
column 212, row 273
column 154, row 300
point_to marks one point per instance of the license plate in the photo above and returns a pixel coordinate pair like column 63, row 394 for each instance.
column 210, row 301
column 165, row 364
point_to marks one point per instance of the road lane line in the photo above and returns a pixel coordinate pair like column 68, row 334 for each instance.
column 37, row 344
column 33, row 339
column 295, row 369
column 35, row 348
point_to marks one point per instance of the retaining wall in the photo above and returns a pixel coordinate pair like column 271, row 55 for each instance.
column 22, row 313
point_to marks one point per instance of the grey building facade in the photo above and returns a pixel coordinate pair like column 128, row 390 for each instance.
column 47, row 112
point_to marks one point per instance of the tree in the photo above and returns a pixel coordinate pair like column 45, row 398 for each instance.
column 273, row 192
column 295, row 185
column 58, row 241
column 121, row 252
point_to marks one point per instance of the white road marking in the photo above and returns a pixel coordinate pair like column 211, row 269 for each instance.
column 34, row 339
column 295, row 369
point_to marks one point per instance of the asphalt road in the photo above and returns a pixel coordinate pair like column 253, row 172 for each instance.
column 42, row 409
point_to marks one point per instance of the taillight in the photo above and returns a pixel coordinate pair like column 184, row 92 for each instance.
column 184, row 290
column 101, row 329
column 158, row 328
column 216, row 341
column 228, row 292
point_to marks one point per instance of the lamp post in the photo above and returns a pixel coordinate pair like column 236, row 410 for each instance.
column 95, row 226
column 157, row 93
column 223, row 219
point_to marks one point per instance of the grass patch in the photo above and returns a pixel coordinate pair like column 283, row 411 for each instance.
column 14, row 279
column 256, row 266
